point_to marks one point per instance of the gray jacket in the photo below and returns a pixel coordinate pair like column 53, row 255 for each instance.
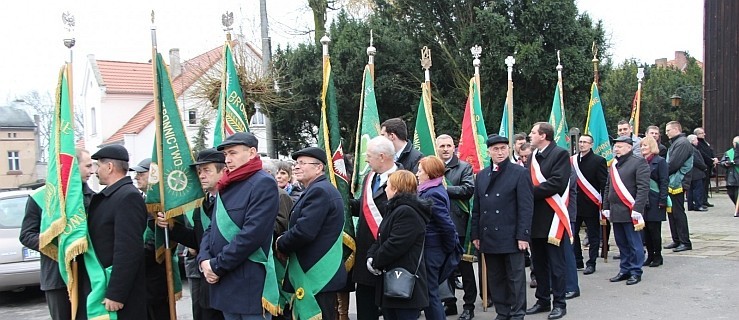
column 634, row 172
column 460, row 188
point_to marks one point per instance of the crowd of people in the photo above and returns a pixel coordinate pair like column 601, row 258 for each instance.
column 278, row 226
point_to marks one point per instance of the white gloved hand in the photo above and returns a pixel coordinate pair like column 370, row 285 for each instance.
column 636, row 216
column 371, row 269
column 607, row 214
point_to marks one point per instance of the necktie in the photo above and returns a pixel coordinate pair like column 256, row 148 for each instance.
column 376, row 183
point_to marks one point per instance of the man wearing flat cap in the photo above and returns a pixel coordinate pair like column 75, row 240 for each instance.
column 624, row 200
column 313, row 240
column 232, row 249
column 210, row 166
column 116, row 222
column 142, row 175
column 501, row 223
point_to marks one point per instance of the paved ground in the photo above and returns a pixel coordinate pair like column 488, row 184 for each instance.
column 702, row 283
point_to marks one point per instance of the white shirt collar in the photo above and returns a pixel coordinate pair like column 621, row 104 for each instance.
column 397, row 154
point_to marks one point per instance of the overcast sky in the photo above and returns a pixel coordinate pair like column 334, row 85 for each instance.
column 33, row 33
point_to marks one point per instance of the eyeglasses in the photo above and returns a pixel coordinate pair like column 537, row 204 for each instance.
column 301, row 163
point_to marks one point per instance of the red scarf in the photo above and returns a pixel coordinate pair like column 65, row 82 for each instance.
column 240, row 174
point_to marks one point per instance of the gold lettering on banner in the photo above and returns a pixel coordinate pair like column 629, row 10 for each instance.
column 75, row 221
column 170, row 139
column 66, row 127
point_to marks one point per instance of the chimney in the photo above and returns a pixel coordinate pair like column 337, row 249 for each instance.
column 175, row 68
column 681, row 60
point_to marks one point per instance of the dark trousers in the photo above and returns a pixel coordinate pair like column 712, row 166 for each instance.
column 434, row 259
column 696, row 194
column 366, row 307
column 58, row 302
column 327, row 303
column 507, row 278
column 157, row 309
column 653, row 239
column 630, row 248
column 571, row 284
column 399, row 314
column 548, row 259
column 592, row 231
column 679, row 220
column 732, row 192
column 468, row 283
column 200, row 311
column 706, row 186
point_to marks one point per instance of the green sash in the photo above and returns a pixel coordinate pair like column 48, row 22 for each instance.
column 730, row 155
column 465, row 206
column 205, row 221
column 655, row 187
column 228, row 229
column 675, row 185
column 308, row 284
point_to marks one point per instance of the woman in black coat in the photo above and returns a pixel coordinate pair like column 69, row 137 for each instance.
column 658, row 200
column 400, row 243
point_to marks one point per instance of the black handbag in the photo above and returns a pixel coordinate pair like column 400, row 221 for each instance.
column 399, row 282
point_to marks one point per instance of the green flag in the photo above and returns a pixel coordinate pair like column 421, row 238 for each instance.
column 329, row 139
column 231, row 116
column 368, row 127
column 472, row 146
column 558, row 120
column 503, row 131
column 424, row 139
column 63, row 230
column 595, row 126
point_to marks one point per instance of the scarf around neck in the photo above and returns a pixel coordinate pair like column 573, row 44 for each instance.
column 240, row 174
column 429, row 184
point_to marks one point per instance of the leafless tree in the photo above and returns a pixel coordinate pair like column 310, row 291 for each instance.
column 41, row 106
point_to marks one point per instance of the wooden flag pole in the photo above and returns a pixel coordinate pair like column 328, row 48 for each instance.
column 158, row 145
column 484, row 280
column 510, row 61
column 604, row 227
column 639, row 77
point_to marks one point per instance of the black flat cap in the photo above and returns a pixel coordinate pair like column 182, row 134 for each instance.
column 143, row 166
column 209, row 156
column 624, row 139
column 495, row 139
column 240, row 138
column 313, row 152
column 116, row 152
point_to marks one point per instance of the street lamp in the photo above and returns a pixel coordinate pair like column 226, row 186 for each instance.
column 675, row 100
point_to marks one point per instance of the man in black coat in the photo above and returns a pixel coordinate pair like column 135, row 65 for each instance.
column 396, row 131
column 314, row 236
column 370, row 208
column 550, row 169
column 679, row 165
column 624, row 200
column 591, row 170
column 501, row 222
column 696, row 193
column 116, row 223
column 653, row 131
column 460, row 186
column 57, row 298
column 709, row 157
column 209, row 165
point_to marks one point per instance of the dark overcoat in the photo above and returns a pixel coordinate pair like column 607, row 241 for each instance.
column 460, row 186
column 502, row 209
column 252, row 205
column 409, row 158
column 595, row 170
column 634, row 173
column 657, row 205
column 555, row 166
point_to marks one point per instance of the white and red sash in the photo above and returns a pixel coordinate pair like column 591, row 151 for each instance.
column 624, row 195
column 587, row 187
column 369, row 208
column 561, row 219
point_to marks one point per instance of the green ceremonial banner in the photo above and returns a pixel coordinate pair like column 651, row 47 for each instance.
column 368, row 127
column 63, row 230
column 231, row 116
column 503, row 131
column 596, row 126
column 558, row 120
column 329, row 139
column 424, row 139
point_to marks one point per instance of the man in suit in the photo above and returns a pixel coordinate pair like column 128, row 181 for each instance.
column 501, row 221
column 591, row 170
column 519, row 140
column 460, row 187
column 550, row 171
column 209, row 165
column 370, row 208
column 679, row 165
column 396, row 131
column 116, row 224
column 624, row 199
column 54, row 288
column 314, row 237
column 247, row 202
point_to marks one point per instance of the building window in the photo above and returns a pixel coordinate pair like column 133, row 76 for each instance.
column 12, row 135
column 257, row 118
column 14, row 161
column 192, row 116
column 93, row 121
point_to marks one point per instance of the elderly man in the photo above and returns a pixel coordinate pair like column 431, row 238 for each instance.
column 624, row 199
column 679, row 165
column 397, row 132
column 142, row 175
column 501, row 222
column 709, row 157
column 313, row 240
column 231, row 248
column 370, row 208
column 625, row 129
column 460, row 185
column 550, row 171
column 698, row 174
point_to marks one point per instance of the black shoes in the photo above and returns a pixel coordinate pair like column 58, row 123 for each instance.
column 681, row 248
column 450, row 309
column 557, row 313
column 633, row 280
column 533, row 283
column 580, row 266
column 702, row 209
column 671, row 246
column 589, row 270
column 707, row 204
column 538, row 308
column 572, row 294
column 619, row 277
column 656, row 262
column 647, row 262
column 467, row 315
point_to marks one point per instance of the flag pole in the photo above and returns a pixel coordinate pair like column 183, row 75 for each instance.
column 639, row 77
column 426, row 65
column 559, row 86
column 604, row 226
column 476, row 52
column 371, row 51
column 510, row 61
column 158, row 145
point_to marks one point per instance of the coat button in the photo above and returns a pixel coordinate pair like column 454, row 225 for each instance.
column 485, row 228
column 496, row 211
column 496, row 228
column 497, row 194
column 486, row 194
column 485, row 211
